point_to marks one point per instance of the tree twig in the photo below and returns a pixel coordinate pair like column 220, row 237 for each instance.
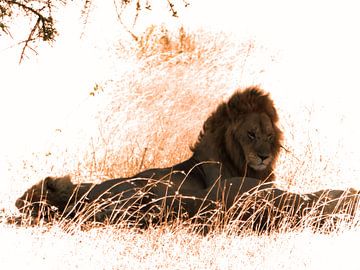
column 172, row 9
column 30, row 38
column 43, row 27
column 27, row 8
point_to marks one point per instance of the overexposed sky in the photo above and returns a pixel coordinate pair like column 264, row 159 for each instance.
column 319, row 40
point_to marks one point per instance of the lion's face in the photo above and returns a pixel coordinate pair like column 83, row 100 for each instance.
column 258, row 138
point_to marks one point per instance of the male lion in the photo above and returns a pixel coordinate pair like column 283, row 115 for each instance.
column 241, row 138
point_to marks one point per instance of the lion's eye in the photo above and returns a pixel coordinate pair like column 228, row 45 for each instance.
column 271, row 137
column 251, row 135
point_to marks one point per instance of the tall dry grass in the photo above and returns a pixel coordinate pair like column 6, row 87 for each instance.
column 172, row 83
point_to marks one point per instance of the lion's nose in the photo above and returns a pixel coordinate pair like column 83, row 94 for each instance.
column 19, row 203
column 263, row 157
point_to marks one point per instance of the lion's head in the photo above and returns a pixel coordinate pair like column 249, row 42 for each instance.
column 54, row 192
column 243, row 135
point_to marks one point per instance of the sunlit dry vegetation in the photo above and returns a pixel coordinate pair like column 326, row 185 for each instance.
column 168, row 91
column 148, row 117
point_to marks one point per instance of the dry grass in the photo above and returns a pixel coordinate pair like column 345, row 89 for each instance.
column 167, row 93
column 107, row 248
column 150, row 115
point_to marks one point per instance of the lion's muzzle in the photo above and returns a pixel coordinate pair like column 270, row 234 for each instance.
column 259, row 162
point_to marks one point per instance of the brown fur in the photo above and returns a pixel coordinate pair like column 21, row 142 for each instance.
column 225, row 136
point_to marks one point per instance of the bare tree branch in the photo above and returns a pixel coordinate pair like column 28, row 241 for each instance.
column 26, row 8
column 29, row 39
column 43, row 28
column 40, row 12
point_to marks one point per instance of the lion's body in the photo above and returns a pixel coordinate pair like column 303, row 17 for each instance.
column 251, row 201
column 234, row 157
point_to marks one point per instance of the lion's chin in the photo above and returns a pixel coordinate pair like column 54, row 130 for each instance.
column 258, row 167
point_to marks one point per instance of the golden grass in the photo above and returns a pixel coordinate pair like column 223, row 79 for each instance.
column 153, row 112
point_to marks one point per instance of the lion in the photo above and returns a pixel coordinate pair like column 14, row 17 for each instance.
column 251, row 202
column 59, row 196
column 241, row 138
column 263, row 207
